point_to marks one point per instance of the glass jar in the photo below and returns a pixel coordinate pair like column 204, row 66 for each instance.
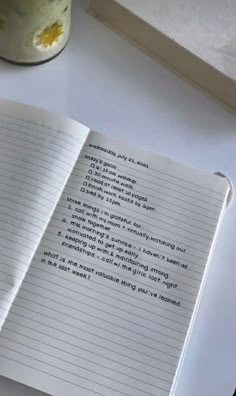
column 33, row 31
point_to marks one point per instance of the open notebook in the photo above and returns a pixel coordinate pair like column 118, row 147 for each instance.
column 104, row 253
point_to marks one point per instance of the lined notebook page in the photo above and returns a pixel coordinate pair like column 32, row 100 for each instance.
column 37, row 154
column 106, row 304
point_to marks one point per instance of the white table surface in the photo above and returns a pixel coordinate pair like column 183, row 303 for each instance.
column 109, row 85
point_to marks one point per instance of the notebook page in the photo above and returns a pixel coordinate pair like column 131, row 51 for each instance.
column 37, row 153
column 106, row 304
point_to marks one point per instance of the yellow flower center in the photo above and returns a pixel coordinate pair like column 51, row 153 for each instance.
column 50, row 35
